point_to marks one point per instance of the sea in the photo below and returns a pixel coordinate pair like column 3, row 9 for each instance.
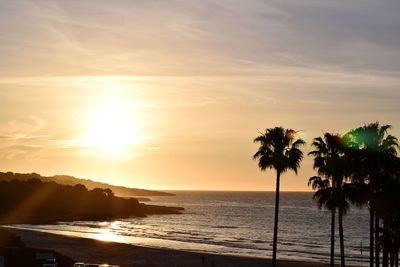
column 234, row 223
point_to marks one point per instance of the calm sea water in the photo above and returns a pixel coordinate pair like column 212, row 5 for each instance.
column 238, row 223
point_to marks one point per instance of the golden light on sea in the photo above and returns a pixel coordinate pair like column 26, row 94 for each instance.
column 106, row 235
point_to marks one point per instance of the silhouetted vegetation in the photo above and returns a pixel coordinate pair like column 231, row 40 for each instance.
column 70, row 180
column 34, row 201
column 279, row 150
column 332, row 192
column 363, row 168
column 360, row 167
column 372, row 152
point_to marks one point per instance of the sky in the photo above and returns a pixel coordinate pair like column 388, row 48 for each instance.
column 170, row 94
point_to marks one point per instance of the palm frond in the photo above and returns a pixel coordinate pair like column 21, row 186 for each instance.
column 279, row 149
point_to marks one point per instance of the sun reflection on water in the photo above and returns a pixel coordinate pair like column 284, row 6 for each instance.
column 106, row 234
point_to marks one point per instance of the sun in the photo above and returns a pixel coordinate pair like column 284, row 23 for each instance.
column 111, row 132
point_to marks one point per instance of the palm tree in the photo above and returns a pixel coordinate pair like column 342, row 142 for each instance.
column 387, row 203
column 371, row 149
column 390, row 238
column 332, row 191
column 279, row 150
column 324, row 196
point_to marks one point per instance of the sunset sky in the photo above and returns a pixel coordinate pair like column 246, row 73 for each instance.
column 170, row 94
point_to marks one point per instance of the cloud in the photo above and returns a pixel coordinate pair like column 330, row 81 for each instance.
column 19, row 137
column 226, row 37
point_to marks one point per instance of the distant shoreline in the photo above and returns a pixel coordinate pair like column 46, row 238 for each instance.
column 89, row 250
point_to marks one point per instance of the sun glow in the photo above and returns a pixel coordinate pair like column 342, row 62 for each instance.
column 111, row 132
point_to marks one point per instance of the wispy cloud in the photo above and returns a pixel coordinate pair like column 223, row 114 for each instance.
column 226, row 37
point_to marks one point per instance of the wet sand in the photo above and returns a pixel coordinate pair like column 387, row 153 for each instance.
column 92, row 251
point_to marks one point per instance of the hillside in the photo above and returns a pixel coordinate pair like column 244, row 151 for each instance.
column 89, row 184
column 35, row 201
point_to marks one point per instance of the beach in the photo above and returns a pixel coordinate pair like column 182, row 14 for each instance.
column 93, row 251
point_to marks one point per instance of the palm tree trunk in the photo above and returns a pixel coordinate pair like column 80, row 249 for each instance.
column 377, row 247
column 392, row 257
column 371, row 236
column 342, row 256
column 333, row 238
column 372, row 213
column 274, row 245
column 385, row 257
column 385, row 249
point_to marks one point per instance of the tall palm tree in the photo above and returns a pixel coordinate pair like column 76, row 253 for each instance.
column 324, row 196
column 390, row 238
column 279, row 150
column 387, row 203
column 372, row 148
column 330, row 162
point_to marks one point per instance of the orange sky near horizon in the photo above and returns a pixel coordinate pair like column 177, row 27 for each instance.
column 158, row 134
column 152, row 95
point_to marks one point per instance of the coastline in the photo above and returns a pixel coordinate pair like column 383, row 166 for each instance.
column 126, row 255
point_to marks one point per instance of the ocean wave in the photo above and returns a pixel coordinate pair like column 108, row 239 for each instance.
column 235, row 224
column 225, row 227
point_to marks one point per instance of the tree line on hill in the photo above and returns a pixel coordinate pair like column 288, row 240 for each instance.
column 34, row 201
column 359, row 167
column 121, row 191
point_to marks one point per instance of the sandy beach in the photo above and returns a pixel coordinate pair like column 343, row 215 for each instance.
column 92, row 251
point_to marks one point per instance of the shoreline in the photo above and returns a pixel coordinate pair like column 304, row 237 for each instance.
column 126, row 255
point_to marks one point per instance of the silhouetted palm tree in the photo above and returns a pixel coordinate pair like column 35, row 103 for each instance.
column 330, row 162
column 324, row 196
column 387, row 202
column 279, row 150
column 372, row 150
